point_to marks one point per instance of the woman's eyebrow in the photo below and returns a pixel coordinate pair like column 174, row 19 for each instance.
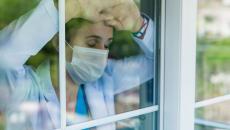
column 94, row 36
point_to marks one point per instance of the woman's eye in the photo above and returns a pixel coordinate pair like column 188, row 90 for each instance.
column 92, row 43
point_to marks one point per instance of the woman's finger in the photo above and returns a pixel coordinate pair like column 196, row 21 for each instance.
column 114, row 23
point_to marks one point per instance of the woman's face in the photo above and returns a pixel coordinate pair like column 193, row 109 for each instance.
column 90, row 35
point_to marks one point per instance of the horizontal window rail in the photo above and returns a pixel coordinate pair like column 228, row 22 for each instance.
column 212, row 101
column 112, row 119
column 212, row 124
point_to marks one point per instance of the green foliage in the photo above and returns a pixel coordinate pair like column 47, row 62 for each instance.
column 209, row 19
column 200, row 127
column 123, row 45
column 12, row 9
column 213, row 57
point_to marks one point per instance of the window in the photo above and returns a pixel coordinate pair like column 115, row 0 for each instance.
column 164, row 102
column 212, row 82
column 44, row 88
column 131, row 102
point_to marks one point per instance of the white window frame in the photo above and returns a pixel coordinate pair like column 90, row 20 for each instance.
column 62, row 83
column 62, row 63
column 179, row 64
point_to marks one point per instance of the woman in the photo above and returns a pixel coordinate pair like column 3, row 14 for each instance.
column 28, row 99
column 100, row 78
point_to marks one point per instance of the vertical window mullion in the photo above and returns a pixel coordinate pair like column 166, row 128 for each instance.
column 162, row 64
column 179, row 64
column 62, row 63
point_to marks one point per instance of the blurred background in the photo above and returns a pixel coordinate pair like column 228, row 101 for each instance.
column 213, row 62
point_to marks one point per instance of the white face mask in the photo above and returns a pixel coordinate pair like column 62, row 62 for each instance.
column 87, row 64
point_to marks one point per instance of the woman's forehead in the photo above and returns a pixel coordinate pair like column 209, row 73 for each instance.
column 95, row 29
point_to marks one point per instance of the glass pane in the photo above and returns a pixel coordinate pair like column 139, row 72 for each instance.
column 110, row 62
column 202, row 127
column 143, row 122
column 213, row 49
column 29, row 86
column 213, row 60
column 218, row 113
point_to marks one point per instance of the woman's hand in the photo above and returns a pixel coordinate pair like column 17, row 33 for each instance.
column 125, row 16
column 89, row 9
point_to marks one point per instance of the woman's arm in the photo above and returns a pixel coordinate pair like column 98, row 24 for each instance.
column 132, row 71
column 28, row 34
column 145, row 37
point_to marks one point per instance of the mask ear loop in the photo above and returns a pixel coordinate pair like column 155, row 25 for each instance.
column 68, row 44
